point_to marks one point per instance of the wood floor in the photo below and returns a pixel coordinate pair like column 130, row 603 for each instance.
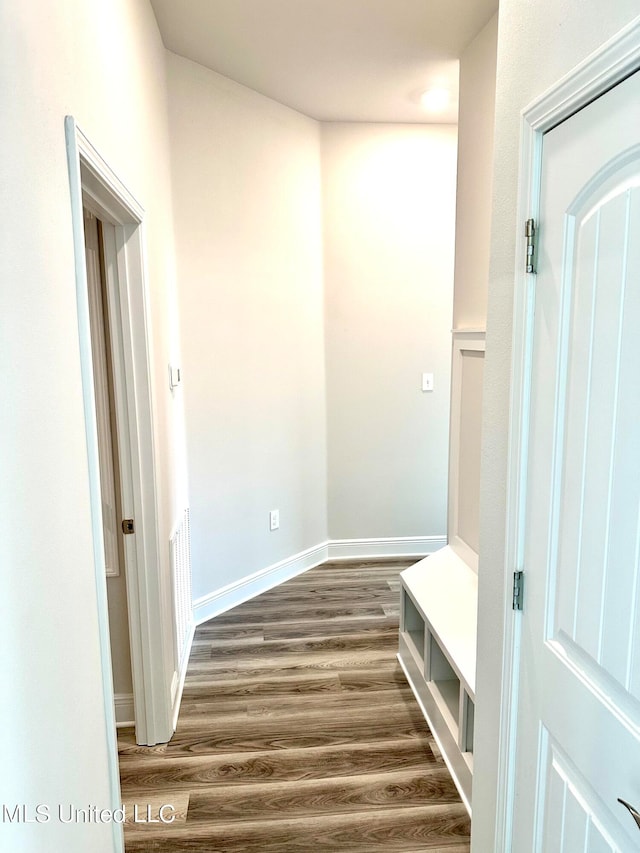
column 298, row 733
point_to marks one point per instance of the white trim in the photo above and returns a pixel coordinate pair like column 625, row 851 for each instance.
column 182, row 606
column 464, row 340
column 125, row 711
column 91, row 434
column 468, row 333
column 177, row 685
column 92, row 179
column 610, row 64
column 208, row 606
column 398, row 546
column 182, row 529
column 607, row 66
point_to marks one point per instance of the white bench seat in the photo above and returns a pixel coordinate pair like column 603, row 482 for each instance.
column 437, row 651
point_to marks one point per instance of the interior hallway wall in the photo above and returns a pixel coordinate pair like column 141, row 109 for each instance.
column 246, row 186
column 538, row 42
column 104, row 64
column 473, row 225
column 389, row 208
column 476, row 119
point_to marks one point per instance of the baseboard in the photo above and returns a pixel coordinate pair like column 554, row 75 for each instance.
column 208, row 606
column 177, row 685
column 396, row 546
column 125, row 712
column 229, row 596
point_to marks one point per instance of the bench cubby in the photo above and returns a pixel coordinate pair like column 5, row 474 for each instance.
column 437, row 651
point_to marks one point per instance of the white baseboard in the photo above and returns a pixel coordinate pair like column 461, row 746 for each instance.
column 224, row 599
column 240, row 591
column 397, row 546
column 125, row 713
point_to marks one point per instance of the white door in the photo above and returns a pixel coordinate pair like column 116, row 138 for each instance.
column 578, row 744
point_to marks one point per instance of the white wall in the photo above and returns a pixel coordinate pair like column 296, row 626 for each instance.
column 103, row 63
column 475, row 172
column 389, row 207
column 534, row 50
column 246, row 186
column 473, row 224
column 250, row 221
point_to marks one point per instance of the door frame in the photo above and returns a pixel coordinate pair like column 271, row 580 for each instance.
column 94, row 184
column 615, row 60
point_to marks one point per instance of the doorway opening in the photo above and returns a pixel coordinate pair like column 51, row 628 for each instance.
column 100, row 253
column 95, row 188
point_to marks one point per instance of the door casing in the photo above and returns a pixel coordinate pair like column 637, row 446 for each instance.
column 95, row 185
column 613, row 62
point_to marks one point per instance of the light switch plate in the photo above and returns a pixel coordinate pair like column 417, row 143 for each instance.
column 174, row 377
column 427, row 381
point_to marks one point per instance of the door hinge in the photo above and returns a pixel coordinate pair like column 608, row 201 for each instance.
column 518, row 583
column 128, row 526
column 530, row 234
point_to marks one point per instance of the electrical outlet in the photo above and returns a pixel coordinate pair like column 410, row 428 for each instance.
column 274, row 519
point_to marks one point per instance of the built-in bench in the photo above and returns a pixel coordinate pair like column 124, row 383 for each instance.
column 438, row 620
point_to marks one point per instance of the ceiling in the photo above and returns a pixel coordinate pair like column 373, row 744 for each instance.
column 333, row 60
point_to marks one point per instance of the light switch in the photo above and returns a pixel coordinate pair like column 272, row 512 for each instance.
column 427, row 381
column 174, row 377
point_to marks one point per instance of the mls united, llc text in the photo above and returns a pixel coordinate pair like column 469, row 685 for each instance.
column 68, row 813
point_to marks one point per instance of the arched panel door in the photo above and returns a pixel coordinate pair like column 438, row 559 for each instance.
column 579, row 697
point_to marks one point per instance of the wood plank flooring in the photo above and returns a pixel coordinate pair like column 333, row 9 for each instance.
column 298, row 732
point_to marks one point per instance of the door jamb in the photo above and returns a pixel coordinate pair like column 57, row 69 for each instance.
column 149, row 621
column 615, row 60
